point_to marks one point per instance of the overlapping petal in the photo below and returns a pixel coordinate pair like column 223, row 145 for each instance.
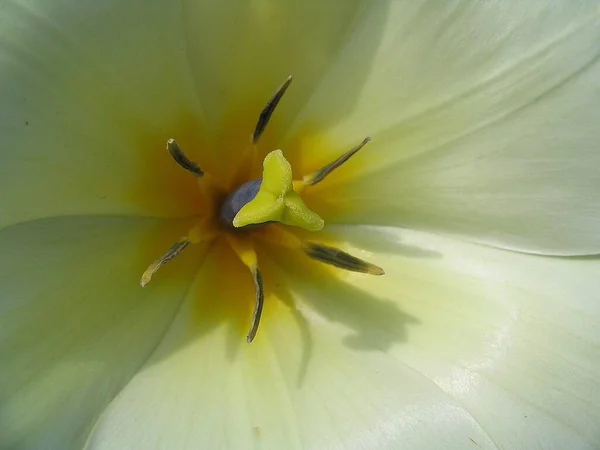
column 458, row 345
column 75, row 325
column 484, row 123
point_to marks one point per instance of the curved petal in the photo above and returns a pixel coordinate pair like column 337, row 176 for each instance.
column 74, row 323
column 484, row 123
column 457, row 345
column 89, row 93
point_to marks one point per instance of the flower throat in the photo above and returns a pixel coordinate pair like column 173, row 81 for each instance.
column 272, row 202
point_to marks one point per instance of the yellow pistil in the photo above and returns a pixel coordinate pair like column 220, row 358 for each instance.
column 276, row 200
column 271, row 205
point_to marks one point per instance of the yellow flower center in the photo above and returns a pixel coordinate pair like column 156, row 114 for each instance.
column 244, row 211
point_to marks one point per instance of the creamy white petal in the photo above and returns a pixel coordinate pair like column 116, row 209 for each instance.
column 74, row 323
column 296, row 386
column 484, row 122
column 89, row 94
column 456, row 346
column 513, row 338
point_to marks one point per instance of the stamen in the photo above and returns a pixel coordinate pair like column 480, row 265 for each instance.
column 266, row 113
column 183, row 160
column 258, row 303
column 243, row 248
column 329, row 255
column 340, row 259
column 319, row 175
column 175, row 250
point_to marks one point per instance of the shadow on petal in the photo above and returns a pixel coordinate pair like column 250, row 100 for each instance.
column 376, row 323
column 295, row 289
column 282, row 292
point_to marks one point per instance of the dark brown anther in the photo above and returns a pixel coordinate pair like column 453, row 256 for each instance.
column 320, row 174
column 183, row 160
column 342, row 260
column 267, row 112
column 258, row 303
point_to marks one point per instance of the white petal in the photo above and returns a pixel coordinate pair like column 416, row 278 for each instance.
column 484, row 121
column 89, row 94
column 74, row 323
column 456, row 346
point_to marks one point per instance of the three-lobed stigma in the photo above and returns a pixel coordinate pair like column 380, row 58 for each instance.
column 273, row 198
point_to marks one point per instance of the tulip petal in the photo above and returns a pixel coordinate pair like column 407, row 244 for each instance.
column 484, row 123
column 89, row 94
column 458, row 345
column 241, row 52
column 74, row 323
